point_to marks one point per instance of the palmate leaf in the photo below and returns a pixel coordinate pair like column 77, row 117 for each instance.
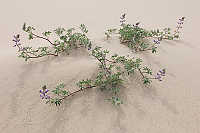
column 30, row 36
column 64, row 92
column 147, row 70
column 46, row 33
column 27, row 29
column 83, row 28
column 59, row 90
column 59, row 31
column 146, row 80
column 56, row 91
column 154, row 49
column 60, row 86
column 84, row 83
column 55, row 101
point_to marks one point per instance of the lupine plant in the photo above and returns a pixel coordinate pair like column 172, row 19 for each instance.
column 113, row 69
column 109, row 77
column 67, row 39
column 138, row 38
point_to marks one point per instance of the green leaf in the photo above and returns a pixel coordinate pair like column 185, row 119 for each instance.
column 64, row 92
column 57, row 102
column 59, row 31
column 176, row 36
column 146, row 81
column 24, row 27
column 154, row 49
column 83, row 28
column 46, row 33
column 30, row 36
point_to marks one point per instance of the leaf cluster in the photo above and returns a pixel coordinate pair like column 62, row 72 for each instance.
column 67, row 39
column 139, row 39
column 112, row 69
column 59, row 93
column 110, row 74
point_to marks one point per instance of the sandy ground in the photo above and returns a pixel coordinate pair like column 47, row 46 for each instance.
column 172, row 106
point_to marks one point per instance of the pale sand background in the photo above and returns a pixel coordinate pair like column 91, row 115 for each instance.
column 172, row 106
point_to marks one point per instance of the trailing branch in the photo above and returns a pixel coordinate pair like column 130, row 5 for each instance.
column 109, row 76
column 67, row 40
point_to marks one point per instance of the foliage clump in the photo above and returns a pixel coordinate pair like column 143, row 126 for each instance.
column 112, row 70
column 138, row 38
column 110, row 76
column 67, row 39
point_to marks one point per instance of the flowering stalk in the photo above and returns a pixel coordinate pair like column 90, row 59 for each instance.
column 17, row 42
column 160, row 74
column 178, row 27
column 123, row 19
column 60, row 93
column 43, row 93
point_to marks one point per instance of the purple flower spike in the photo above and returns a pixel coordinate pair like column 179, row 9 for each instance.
column 43, row 93
column 179, row 25
column 160, row 74
column 17, row 42
column 122, row 19
column 16, row 38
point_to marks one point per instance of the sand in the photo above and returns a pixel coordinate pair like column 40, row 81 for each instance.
column 171, row 106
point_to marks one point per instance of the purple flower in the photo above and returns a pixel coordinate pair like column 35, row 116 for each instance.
column 42, row 96
column 45, row 96
column 156, row 41
column 160, row 74
column 43, row 93
column 122, row 19
column 16, row 40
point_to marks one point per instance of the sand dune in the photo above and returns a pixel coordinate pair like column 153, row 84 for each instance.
column 171, row 106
